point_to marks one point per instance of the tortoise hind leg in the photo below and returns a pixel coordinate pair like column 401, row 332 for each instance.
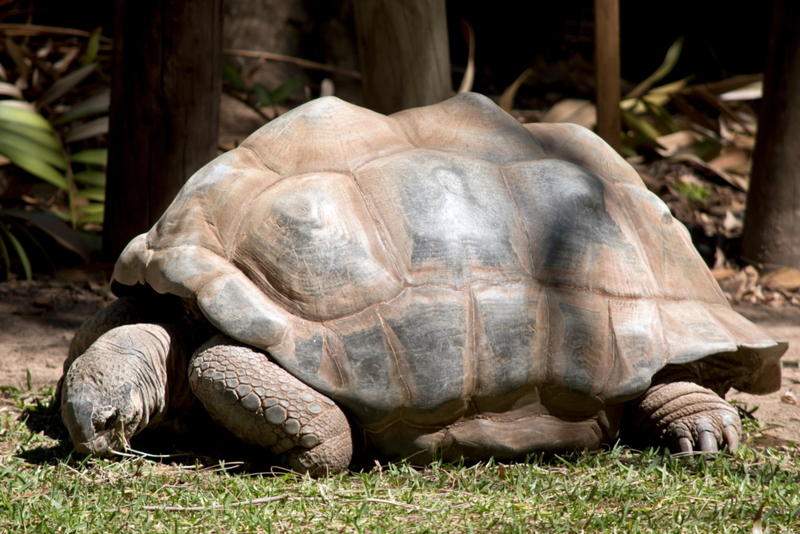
column 683, row 415
column 264, row 405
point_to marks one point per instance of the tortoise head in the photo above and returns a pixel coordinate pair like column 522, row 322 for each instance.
column 100, row 419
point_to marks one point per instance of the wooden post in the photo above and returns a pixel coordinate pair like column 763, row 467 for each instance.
column 607, row 71
column 404, row 53
column 164, row 115
column 771, row 234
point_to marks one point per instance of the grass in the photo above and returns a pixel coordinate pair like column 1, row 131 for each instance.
column 43, row 488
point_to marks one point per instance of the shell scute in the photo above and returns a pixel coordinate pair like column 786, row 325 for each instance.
column 447, row 219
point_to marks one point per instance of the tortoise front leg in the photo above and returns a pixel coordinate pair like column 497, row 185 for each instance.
column 681, row 414
column 264, row 405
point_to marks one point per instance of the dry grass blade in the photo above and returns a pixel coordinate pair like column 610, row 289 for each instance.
column 730, row 84
column 261, row 500
column 88, row 130
column 392, row 503
column 666, row 67
column 65, row 85
column 17, row 57
column 469, row 75
column 30, row 30
column 507, row 100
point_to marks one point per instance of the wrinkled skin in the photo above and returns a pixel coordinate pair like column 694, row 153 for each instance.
column 119, row 386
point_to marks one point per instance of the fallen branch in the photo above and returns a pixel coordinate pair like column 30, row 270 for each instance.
column 297, row 61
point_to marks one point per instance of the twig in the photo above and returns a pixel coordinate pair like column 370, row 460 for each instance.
column 261, row 500
column 133, row 453
column 393, row 503
column 297, row 61
column 31, row 29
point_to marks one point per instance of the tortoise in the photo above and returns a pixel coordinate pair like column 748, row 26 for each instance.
column 441, row 282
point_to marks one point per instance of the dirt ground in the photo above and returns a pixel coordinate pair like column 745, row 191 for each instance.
column 38, row 319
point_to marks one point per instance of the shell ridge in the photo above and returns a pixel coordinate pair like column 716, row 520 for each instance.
column 326, row 348
column 385, row 328
column 639, row 245
column 714, row 314
column 567, row 140
column 261, row 161
column 545, row 304
column 614, row 349
column 405, row 132
column 280, row 343
column 382, row 235
column 244, row 213
column 521, row 222
column 471, row 350
column 151, row 256
column 720, row 326
column 344, row 151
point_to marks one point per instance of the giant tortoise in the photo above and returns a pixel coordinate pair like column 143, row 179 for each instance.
column 443, row 281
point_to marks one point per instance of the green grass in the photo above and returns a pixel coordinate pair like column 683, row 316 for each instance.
column 44, row 489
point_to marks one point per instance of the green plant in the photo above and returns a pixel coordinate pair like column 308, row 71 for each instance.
column 256, row 95
column 646, row 101
column 693, row 192
column 54, row 132
column 32, row 233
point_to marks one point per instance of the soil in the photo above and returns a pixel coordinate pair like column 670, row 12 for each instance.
column 38, row 319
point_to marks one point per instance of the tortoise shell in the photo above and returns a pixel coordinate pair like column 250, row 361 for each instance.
column 444, row 262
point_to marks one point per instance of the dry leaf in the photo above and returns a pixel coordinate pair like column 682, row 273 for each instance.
column 748, row 282
column 677, row 142
column 722, row 274
column 788, row 398
column 758, row 294
column 757, row 529
column 731, row 223
column 732, row 159
column 732, row 179
column 18, row 57
column 469, row 75
column 7, row 89
column 751, row 91
column 573, row 110
column 507, row 100
column 787, row 279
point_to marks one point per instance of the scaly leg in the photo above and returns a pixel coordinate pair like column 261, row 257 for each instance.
column 685, row 416
column 262, row 404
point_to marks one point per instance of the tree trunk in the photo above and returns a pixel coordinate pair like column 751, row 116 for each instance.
column 164, row 115
column 404, row 53
column 607, row 71
column 771, row 236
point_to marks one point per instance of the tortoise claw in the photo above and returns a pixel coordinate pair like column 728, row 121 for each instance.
column 730, row 434
column 707, row 442
column 705, row 435
column 684, row 445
